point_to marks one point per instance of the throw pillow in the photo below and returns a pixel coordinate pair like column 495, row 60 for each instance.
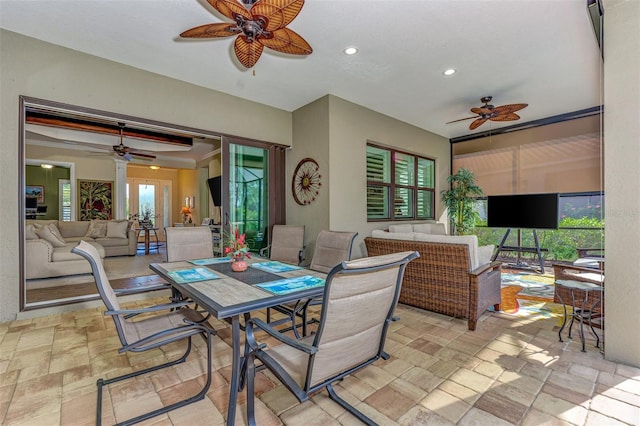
column 30, row 232
column 117, row 229
column 97, row 229
column 53, row 236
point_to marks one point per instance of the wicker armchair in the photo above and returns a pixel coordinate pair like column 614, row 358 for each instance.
column 441, row 279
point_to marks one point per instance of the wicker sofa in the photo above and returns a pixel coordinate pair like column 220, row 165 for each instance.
column 448, row 277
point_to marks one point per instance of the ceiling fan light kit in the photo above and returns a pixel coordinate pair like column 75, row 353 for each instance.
column 492, row 113
column 257, row 24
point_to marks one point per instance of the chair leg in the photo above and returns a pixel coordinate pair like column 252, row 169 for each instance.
column 350, row 408
column 250, row 372
column 197, row 397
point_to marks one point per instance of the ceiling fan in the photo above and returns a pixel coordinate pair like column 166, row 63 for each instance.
column 493, row 113
column 258, row 24
column 127, row 152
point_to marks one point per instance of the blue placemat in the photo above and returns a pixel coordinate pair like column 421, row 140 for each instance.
column 210, row 261
column 274, row 266
column 183, row 276
column 289, row 285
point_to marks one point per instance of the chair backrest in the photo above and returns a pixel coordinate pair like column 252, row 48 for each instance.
column 332, row 248
column 287, row 243
column 107, row 294
column 189, row 243
column 359, row 299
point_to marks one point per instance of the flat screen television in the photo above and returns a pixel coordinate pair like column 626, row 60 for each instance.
column 31, row 203
column 215, row 188
column 530, row 211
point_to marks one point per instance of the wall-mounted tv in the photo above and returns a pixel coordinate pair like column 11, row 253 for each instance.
column 215, row 188
column 530, row 211
column 31, row 203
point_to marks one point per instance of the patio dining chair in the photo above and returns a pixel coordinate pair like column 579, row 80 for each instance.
column 143, row 333
column 287, row 244
column 358, row 304
column 332, row 248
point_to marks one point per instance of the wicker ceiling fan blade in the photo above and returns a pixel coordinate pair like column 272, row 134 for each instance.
column 509, row 108
column 479, row 122
column 279, row 13
column 221, row 29
column 506, row 117
column 247, row 52
column 143, row 155
column 230, row 9
column 287, row 41
column 462, row 119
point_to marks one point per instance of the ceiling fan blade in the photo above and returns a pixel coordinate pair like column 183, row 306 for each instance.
column 221, row 29
column 462, row 119
column 479, row 122
column 247, row 52
column 230, row 8
column 506, row 109
column 140, row 154
column 287, row 41
column 279, row 13
column 505, row 117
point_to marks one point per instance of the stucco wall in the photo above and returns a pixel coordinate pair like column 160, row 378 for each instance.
column 335, row 132
column 33, row 68
column 622, row 180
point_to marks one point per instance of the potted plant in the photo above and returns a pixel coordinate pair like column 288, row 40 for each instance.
column 460, row 201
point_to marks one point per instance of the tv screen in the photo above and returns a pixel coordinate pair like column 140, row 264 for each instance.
column 31, row 203
column 531, row 211
column 215, row 188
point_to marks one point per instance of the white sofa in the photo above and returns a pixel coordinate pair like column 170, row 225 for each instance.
column 48, row 251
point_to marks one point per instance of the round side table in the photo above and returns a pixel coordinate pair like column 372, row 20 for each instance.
column 583, row 313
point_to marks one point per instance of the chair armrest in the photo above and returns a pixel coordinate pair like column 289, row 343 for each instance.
column 585, row 252
column 279, row 336
column 264, row 250
column 156, row 308
column 575, row 268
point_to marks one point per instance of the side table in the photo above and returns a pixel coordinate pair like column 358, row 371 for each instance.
column 147, row 234
column 583, row 313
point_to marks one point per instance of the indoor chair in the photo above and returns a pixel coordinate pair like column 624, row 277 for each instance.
column 358, row 304
column 287, row 244
column 139, row 335
column 332, row 248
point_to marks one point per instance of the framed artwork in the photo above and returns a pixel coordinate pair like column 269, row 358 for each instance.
column 35, row 191
column 95, row 199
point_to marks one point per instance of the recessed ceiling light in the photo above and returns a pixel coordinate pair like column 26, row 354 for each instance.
column 154, row 167
column 46, row 166
column 351, row 50
column 450, row 71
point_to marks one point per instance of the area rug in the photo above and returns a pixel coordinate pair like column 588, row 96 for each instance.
column 533, row 286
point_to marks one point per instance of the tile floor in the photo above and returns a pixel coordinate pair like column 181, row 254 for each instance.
column 510, row 370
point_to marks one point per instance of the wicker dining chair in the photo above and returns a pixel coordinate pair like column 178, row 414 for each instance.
column 359, row 299
column 142, row 334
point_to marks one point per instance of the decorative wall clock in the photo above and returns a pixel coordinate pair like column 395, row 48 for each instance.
column 305, row 185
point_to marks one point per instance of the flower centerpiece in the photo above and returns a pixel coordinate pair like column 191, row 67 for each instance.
column 236, row 248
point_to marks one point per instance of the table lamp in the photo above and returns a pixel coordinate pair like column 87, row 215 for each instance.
column 185, row 212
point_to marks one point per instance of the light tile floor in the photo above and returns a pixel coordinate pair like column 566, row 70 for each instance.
column 511, row 370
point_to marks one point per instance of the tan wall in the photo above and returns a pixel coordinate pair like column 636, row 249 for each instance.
column 334, row 132
column 33, row 68
column 188, row 186
column 622, row 183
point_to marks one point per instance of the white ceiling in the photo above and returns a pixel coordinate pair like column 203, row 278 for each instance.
column 540, row 52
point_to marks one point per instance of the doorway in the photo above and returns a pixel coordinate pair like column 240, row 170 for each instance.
column 150, row 200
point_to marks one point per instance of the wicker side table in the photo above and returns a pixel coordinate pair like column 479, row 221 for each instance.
column 581, row 312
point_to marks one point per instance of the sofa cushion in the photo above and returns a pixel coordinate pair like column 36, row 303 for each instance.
column 112, row 242
column 97, row 229
column 73, row 229
column 435, row 228
column 406, row 228
column 485, row 253
column 377, row 233
column 117, row 229
column 30, row 232
column 50, row 233
column 470, row 240
column 63, row 254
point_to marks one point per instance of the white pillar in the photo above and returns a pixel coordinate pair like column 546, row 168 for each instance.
column 120, row 199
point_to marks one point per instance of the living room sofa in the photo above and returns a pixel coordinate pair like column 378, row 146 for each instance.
column 49, row 243
column 452, row 276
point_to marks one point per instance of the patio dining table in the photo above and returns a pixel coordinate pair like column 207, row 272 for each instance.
column 229, row 295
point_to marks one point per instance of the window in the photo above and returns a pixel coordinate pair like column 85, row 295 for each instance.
column 400, row 185
column 64, row 189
